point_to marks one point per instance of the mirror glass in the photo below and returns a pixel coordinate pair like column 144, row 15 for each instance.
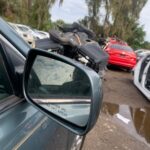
column 61, row 89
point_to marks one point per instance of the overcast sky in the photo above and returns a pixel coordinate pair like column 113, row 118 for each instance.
column 74, row 10
column 145, row 19
column 71, row 11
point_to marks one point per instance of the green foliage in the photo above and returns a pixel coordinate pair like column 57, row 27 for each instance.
column 136, row 40
column 58, row 23
column 30, row 12
column 120, row 19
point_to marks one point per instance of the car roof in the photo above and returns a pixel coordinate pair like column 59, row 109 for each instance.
column 9, row 33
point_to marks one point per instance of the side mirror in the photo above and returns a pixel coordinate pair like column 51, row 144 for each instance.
column 63, row 89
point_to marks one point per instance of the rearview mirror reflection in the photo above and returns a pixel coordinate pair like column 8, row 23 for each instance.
column 61, row 89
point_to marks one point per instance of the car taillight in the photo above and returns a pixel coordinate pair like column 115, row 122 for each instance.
column 133, row 59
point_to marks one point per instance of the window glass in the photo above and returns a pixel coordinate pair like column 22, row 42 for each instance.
column 52, row 78
column 5, row 87
column 121, row 47
column 23, row 28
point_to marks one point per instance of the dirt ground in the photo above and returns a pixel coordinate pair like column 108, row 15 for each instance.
column 124, row 122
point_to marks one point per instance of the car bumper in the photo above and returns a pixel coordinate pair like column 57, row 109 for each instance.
column 123, row 64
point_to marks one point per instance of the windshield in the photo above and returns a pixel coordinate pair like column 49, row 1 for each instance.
column 23, row 29
column 121, row 47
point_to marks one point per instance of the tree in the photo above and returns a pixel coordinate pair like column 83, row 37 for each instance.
column 120, row 18
column 30, row 12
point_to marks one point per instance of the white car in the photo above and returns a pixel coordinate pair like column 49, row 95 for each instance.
column 141, row 53
column 29, row 30
column 28, row 37
column 36, row 33
column 142, row 75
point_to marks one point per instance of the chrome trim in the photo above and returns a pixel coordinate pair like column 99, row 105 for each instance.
column 61, row 101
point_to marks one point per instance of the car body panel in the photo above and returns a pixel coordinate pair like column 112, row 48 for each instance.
column 25, row 128
column 140, row 83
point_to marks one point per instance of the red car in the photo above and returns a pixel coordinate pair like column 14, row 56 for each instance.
column 121, row 55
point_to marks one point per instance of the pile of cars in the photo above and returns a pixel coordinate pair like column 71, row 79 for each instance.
column 29, row 34
column 120, row 54
column 123, row 56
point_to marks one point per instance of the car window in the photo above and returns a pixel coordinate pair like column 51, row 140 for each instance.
column 121, row 47
column 23, row 28
column 5, row 86
column 139, row 52
column 57, row 78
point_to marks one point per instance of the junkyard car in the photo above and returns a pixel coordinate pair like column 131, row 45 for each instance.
column 121, row 55
column 141, row 74
column 47, row 101
column 27, row 36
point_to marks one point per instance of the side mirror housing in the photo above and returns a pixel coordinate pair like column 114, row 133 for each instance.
column 63, row 89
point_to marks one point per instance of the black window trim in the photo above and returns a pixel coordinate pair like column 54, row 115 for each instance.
column 9, row 80
column 14, row 76
column 11, row 100
column 13, row 48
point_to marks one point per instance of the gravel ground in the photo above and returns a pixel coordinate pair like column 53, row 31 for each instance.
column 124, row 122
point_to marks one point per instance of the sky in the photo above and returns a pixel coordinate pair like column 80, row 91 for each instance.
column 74, row 10
column 145, row 19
